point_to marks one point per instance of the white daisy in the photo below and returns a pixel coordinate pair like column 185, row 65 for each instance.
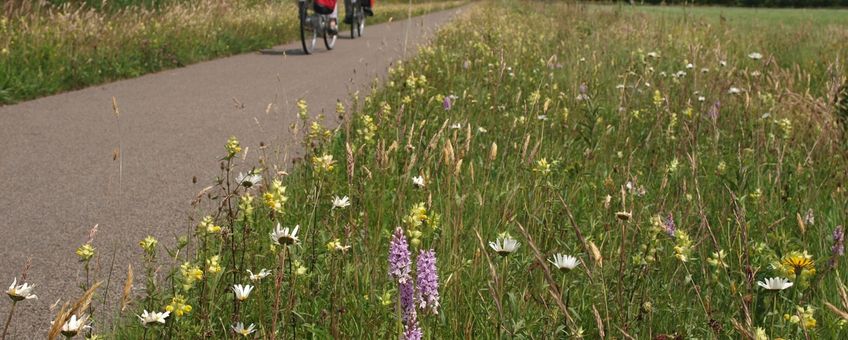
column 242, row 292
column 18, row 292
column 418, row 181
column 240, row 330
column 564, row 262
column 153, row 317
column 282, row 236
column 259, row 276
column 248, row 180
column 341, row 203
column 74, row 325
column 755, row 56
column 734, row 90
column 775, row 283
column 505, row 245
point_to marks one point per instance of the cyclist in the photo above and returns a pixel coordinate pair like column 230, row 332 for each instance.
column 331, row 7
column 366, row 8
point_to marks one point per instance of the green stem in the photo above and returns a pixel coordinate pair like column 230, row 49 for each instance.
column 8, row 320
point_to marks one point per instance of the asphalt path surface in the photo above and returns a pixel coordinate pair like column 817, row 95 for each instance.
column 68, row 162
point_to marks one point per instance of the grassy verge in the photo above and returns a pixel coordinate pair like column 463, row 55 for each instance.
column 679, row 163
column 66, row 49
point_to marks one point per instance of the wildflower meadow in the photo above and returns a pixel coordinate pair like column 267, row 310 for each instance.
column 540, row 170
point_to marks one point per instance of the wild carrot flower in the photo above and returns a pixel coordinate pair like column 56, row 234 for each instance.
column 399, row 261
column 18, row 292
column 282, row 236
column 74, row 325
column 428, row 281
column 153, row 317
column 242, row 292
column 239, row 329
column 504, row 245
column 564, row 262
column 775, row 283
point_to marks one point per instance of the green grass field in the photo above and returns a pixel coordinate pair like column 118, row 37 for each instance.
column 682, row 161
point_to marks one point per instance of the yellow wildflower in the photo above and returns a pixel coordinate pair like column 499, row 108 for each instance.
column 798, row 264
column 804, row 317
column 85, row 252
column 213, row 264
column 178, row 306
column 233, row 147
column 209, row 225
column 148, row 244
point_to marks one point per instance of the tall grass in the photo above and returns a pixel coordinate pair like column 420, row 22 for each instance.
column 570, row 130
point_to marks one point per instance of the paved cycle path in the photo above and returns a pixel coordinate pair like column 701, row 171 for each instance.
column 59, row 175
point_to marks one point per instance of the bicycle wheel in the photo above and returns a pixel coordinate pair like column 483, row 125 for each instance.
column 330, row 38
column 308, row 34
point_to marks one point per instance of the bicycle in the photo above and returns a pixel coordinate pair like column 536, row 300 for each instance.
column 358, row 19
column 312, row 25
